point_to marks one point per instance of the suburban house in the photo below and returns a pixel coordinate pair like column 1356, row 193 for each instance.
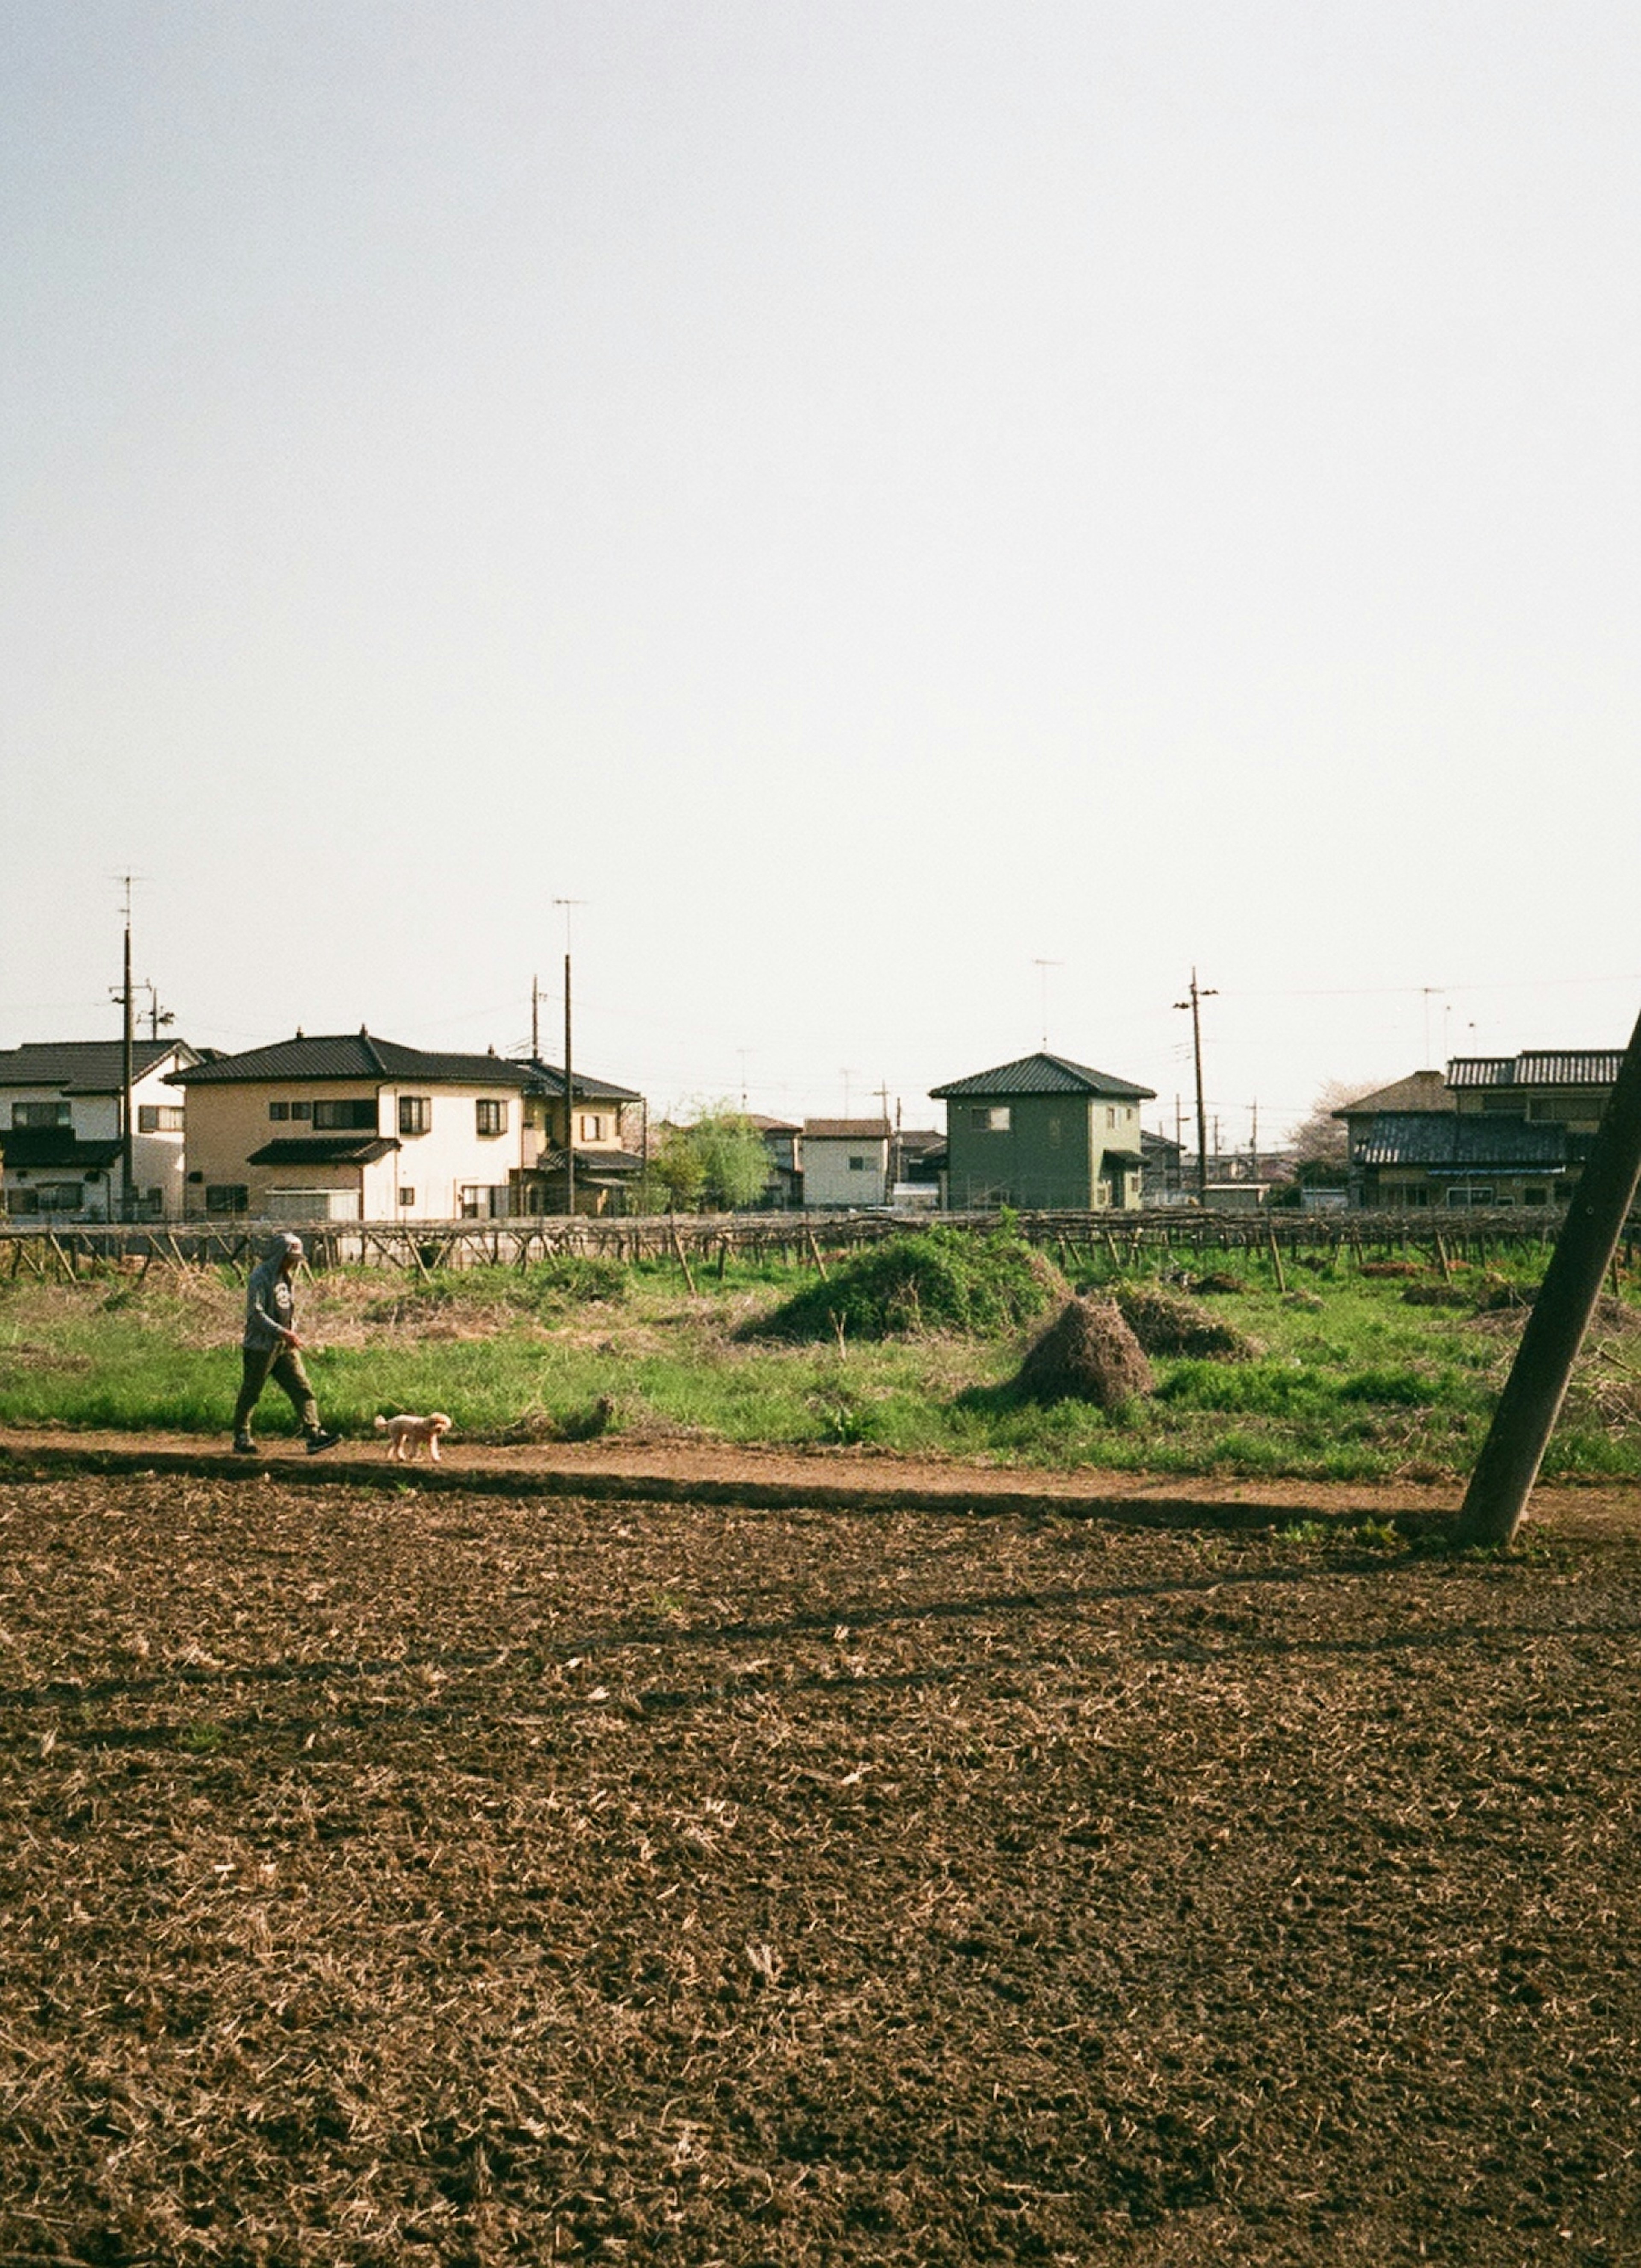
column 350, row 1127
column 1044, row 1133
column 62, row 1128
column 918, row 1169
column 784, row 1142
column 609, row 1134
column 1163, row 1171
column 846, row 1161
column 1494, row 1132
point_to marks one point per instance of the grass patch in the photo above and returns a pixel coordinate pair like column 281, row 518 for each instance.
column 1363, row 1387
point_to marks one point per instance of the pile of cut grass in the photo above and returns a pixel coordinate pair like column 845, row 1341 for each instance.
column 937, row 1279
column 1166, row 1323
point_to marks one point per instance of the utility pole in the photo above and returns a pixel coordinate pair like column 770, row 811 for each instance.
column 1532, row 1399
column 127, row 997
column 1197, row 995
column 157, row 1015
column 1254, row 1141
column 569, row 904
column 535, row 1020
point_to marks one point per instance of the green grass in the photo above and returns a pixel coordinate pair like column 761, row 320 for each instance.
column 1366, row 1386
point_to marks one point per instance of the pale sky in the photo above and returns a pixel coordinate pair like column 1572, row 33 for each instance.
column 870, row 497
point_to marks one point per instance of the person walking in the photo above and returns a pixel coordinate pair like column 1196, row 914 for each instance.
column 271, row 1349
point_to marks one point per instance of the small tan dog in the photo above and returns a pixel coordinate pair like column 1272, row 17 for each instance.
column 406, row 1436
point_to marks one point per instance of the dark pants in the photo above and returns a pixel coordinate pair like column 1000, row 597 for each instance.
column 283, row 1365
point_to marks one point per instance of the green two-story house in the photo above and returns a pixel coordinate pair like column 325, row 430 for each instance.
column 1044, row 1134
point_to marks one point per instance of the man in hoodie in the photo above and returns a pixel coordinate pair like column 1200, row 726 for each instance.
column 271, row 1348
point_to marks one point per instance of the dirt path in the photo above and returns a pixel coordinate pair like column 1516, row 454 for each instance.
column 843, row 1479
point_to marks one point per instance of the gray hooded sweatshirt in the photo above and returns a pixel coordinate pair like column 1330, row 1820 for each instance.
column 269, row 1304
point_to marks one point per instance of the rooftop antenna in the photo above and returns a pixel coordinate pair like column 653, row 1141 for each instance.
column 1043, row 967
column 570, row 905
column 743, row 1053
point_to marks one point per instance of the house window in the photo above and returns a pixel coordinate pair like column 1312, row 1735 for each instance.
column 1468, row 1195
column 279, row 1110
column 1111, row 1114
column 290, row 1111
column 1535, row 1196
column 415, row 1114
column 355, row 1116
column 856, row 1165
column 991, row 1118
column 159, row 1118
column 301, row 1110
column 227, row 1197
column 407, row 1196
column 41, row 1113
column 491, row 1117
column 591, row 1129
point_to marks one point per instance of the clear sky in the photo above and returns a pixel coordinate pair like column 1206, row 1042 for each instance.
column 872, row 496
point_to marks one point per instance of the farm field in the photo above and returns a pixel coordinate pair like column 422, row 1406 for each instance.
column 1345, row 1372
column 401, row 1876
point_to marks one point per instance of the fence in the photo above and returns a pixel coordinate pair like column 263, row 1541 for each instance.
column 1079, row 1241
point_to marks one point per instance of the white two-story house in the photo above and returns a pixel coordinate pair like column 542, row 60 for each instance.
column 351, row 1127
column 63, row 1128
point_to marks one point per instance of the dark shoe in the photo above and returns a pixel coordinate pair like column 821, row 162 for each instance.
column 316, row 1442
column 245, row 1447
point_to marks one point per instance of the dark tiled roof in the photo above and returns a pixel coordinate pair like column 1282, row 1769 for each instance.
column 773, row 1125
column 550, row 1078
column 1159, row 1146
column 1445, row 1142
column 81, row 1066
column 55, row 1145
column 847, row 1130
column 921, row 1137
column 355, row 1057
column 615, row 1161
column 323, row 1150
column 1420, row 1090
column 1539, row 1067
column 1045, row 1074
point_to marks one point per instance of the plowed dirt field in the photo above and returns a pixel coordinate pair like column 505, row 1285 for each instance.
column 412, row 1877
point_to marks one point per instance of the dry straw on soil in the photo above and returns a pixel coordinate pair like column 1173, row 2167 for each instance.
column 1164, row 1324
column 1087, row 1354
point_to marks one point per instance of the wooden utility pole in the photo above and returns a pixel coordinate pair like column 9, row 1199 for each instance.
column 535, row 1020
column 128, row 1079
column 1194, row 1001
column 569, row 904
column 1532, row 1399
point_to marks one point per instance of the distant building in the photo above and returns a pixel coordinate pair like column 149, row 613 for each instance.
column 62, row 1113
column 1044, row 1133
column 1493, row 1131
column 608, row 1134
column 783, row 1140
column 846, row 1161
column 1161, row 1159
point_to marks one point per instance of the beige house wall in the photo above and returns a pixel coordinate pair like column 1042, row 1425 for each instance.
column 830, row 1179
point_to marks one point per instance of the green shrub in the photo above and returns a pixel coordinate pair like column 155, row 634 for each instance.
column 934, row 1279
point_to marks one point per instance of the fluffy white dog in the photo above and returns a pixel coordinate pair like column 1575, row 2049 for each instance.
column 406, row 1436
